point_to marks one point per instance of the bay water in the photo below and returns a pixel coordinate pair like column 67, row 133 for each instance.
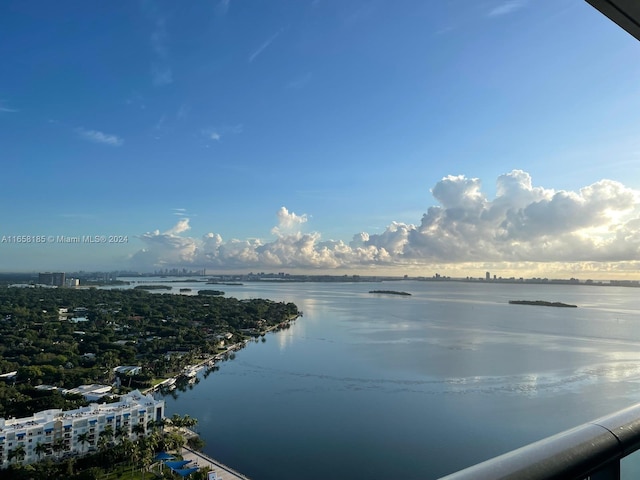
column 418, row 386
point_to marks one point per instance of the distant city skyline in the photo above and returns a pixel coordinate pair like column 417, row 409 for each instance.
column 84, row 279
column 365, row 137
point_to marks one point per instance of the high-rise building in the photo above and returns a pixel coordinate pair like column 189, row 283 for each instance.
column 487, row 276
column 54, row 279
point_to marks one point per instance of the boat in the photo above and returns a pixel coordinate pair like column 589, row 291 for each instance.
column 169, row 384
column 189, row 372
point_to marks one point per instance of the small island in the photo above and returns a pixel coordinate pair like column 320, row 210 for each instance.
column 152, row 287
column 390, row 292
column 210, row 292
column 541, row 303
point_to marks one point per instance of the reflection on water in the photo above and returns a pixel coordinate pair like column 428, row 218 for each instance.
column 415, row 387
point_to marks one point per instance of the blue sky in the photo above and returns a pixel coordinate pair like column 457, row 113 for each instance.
column 321, row 136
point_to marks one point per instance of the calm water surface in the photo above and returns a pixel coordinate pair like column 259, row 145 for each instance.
column 414, row 387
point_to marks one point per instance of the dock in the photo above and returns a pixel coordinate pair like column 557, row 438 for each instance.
column 222, row 471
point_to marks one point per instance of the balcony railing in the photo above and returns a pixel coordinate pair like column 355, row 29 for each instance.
column 591, row 451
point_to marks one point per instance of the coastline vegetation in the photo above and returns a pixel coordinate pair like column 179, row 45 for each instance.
column 68, row 337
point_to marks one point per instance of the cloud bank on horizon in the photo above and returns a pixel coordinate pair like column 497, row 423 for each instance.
column 524, row 223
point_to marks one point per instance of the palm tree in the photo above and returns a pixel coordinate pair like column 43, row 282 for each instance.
column 162, row 423
column 152, row 424
column 40, row 449
column 107, row 433
column 126, row 447
column 152, row 442
column 139, row 430
column 18, row 453
column 146, row 458
column 147, row 447
column 188, row 421
column 136, row 454
column 58, row 446
column 174, row 441
column 176, row 420
column 103, row 443
column 121, row 433
column 83, row 438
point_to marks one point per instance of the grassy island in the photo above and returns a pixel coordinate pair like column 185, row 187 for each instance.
column 390, row 292
column 541, row 303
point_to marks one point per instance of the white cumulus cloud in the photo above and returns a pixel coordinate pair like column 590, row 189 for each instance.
column 523, row 224
column 181, row 226
column 288, row 222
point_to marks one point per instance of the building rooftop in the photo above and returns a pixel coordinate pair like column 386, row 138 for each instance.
column 126, row 402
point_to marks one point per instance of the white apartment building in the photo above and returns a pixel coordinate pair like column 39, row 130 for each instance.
column 63, row 428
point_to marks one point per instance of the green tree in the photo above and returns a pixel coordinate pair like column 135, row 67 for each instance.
column 152, row 425
column 176, row 420
column 139, row 429
column 40, row 449
column 174, row 440
column 121, row 433
column 188, row 421
column 107, row 432
column 83, row 438
column 58, row 446
column 18, row 453
column 126, row 448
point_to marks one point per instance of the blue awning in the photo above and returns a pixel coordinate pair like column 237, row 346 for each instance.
column 163, row 456
column 177, row 464
column 92, row 422
column 186, row 471
column 126, row 415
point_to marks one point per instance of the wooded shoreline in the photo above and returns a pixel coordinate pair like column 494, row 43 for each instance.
column 60, row 338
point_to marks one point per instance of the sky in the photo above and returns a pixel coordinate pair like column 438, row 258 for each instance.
column 319, row 136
